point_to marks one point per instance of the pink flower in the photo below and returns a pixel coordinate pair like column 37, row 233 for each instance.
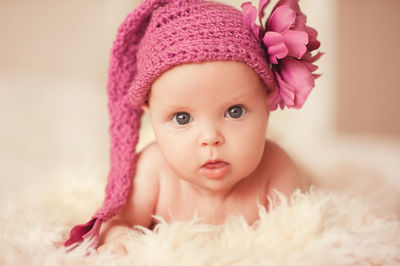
column 280, row 39
column 249, row 17
column 289, row 43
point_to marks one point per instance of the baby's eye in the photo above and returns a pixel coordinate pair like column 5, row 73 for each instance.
column 182, row 118
column 235, row 112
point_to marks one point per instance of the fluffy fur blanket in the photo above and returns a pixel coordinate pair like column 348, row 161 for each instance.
column 334, row 226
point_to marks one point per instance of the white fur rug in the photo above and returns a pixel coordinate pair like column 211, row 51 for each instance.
column 340, row 227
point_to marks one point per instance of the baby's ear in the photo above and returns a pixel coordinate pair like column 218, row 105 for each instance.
column 146, row 107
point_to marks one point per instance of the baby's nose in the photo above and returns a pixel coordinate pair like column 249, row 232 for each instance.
column 211, row 137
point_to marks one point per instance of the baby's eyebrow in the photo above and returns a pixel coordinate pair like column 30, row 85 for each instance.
column 238, row 97
column 175, row 107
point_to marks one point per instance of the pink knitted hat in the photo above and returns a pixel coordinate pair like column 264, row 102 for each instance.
column 160, row 34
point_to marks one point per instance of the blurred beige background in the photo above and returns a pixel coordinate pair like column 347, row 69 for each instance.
column 53, row 65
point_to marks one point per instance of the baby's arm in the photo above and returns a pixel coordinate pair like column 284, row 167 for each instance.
column 141, row 202
column 284, row 175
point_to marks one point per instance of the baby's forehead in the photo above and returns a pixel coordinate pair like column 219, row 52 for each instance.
column 226, row 78
column 222, row 94
column 206, row 95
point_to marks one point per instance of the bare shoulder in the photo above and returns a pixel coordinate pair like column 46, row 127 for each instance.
column 284, row 176
column 144, row 191
column 149, row 157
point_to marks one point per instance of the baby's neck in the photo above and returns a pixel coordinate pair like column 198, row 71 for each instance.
column 205, row 197
column 209, row 205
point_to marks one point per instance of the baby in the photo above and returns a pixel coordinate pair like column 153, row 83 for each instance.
column 208, row 76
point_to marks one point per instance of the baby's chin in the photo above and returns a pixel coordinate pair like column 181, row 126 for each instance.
column 212, row 185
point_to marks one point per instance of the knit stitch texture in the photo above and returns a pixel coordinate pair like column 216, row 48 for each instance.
column 195, row 31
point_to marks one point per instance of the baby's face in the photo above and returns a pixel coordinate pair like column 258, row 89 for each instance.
column 211, row 112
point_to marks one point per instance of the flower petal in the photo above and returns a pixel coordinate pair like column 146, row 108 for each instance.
column 313, row 43
column 275, row 45
column 286, row 91
column 282, row 18
column 261, row 7
column 274, row 100
column 296, row 42
column 310, row 66
column 300, row 23
column 297, row 75
column 314, row 58
column 316, row 75
column 293, row 4
column 249, row 18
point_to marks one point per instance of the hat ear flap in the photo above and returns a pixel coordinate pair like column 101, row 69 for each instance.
column 124, row 117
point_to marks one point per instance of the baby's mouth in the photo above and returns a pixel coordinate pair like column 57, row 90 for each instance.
column 215, row 169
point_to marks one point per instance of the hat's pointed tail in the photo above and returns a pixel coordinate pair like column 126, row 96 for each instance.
column 124, row 118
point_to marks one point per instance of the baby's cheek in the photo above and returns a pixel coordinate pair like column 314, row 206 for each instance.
column 250, row 160
column 248, row 149
column 176, row 152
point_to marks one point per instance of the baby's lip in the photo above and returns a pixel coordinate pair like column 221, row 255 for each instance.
column 215, row 169
column 214, row 163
